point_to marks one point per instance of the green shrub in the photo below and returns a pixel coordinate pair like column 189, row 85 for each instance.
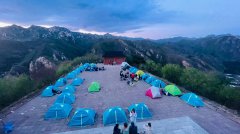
column 13, row 88
column 172, row 72
column 64, row 68
column 89, row 58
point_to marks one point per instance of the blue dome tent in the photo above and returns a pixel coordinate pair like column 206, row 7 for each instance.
column 61, row 82
column 145, row 76
column 133, row 70
column 114, row 115
column 77, row 82
column 47, row 92
column 141, row 110
column 83, row 117
column 69, row 89
column 192, row 99
column 71, row 75
column 65, row 98
column 150, row 79
column 158, row 83
column 58, row 111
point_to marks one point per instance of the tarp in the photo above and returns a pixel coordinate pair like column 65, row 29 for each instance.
column 192, row 99
column 114, row 115
column 69, row 89
column 94, row 87
column 141, row 110
column 61, row 82
column 83, row 117
column 158, row 83
column 124, row 64
column 150, row 79
column 58, row 111
column 173, row 90
column 145, row 76
column 153, row 92
column 139, row 73
column 47, row 92
column 67, row 98
column 77, row 81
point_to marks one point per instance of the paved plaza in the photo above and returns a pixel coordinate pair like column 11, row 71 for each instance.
column 28, row 118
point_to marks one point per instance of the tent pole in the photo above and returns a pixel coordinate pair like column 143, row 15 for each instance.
column 81, row 119
column 189, row 97
column 116, row 116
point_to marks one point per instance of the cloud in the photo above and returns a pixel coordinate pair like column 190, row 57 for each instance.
column 146, row 18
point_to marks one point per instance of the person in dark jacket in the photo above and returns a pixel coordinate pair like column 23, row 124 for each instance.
column 133, row 129
column 116, row 129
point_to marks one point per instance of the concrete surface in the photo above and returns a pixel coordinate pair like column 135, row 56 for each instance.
column 180, row 125
column 28, row 119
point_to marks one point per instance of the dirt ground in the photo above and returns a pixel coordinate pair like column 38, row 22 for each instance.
column 29, row 117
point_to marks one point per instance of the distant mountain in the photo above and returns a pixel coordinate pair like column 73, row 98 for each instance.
column 20, row 46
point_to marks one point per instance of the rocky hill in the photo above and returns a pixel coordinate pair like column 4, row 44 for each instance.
column 20, row 47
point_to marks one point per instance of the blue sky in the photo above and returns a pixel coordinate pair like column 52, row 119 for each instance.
column 135, row 18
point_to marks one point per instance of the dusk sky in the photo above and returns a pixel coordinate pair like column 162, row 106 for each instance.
column 135, row 18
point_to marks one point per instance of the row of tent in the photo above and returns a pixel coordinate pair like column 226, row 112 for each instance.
column 47, row 92
column 62, row 106
column 155, row 92
column 86, row 116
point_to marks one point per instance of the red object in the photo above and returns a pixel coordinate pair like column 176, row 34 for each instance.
column 113, row 57
column 112, row 60
column 132, row 76
column 149, row 93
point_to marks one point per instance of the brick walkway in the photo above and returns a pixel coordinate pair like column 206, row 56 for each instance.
column 29, row 117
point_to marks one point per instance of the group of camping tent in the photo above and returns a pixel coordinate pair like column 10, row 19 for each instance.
column 62, row 105
column 157, row 87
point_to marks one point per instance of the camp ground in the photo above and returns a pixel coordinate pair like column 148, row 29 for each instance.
column 98, row 99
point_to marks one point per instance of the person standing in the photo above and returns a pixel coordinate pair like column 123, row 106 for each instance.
column 133, row 116
column 147, row 128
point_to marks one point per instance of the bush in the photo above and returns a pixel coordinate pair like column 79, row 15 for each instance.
column 172, row 72
column 64, row 68
column 13, row 88
column 89, row 58
column 151, row 67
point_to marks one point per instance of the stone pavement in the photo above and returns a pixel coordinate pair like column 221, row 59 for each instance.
column 28, row 118
column 180, row 125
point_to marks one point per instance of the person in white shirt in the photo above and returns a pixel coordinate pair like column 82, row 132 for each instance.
column 133, row 116
column 147, row 128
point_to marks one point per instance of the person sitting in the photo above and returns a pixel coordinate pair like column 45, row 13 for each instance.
column 116, row 129
column 133, row 129
column 125, row 129
column 55, row 91
column 132, row 75
column 147, row 128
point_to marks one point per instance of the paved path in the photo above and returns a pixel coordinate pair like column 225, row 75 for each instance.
column 29, row 117
column 181, row 125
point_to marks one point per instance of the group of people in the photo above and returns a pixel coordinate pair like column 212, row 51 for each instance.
column 130, row 77
column 132, row 129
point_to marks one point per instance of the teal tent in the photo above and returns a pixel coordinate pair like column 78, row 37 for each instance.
column 114, row 115
column 47, row 92
column 61, row 82
column 66, row 98
column 158, row 83
column 145, row 76
column 83, row 117
column 86, row 65
column 133, row 70
column 141, row 110
column 69, row 89
column 192, row 99
column 58, row 111
column 77, row 82
column 71, row 75
column 150, row 79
